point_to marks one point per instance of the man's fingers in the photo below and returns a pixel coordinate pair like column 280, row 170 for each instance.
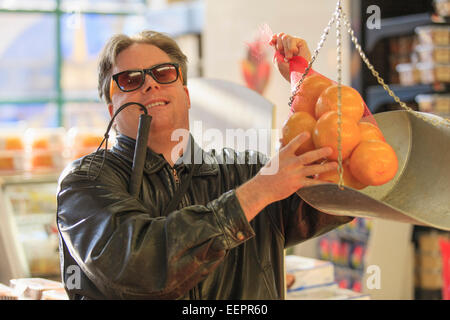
column 313, row 182
column 319, row 168
column 312, row 156
column 293, row 145
column 279, row 46
column 303, row 49
column 290, row 46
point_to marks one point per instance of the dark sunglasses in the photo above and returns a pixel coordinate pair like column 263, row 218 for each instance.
column 131, row 80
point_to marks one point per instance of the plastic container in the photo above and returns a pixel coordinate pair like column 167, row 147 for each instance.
column 435, row 35
column 44, row 149
column 12, row 151
column 32, row 288
column 434, row 103
column 436, row 54
column 433, row 72
column 56, row 294
column 442, row 7
column 7, row 293
column 408, row 74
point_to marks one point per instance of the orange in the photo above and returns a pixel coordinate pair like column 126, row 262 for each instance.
column 14, row 143
column 297, row 123
column 352, row 103
column 348, row 179
column 326, row 134
column 6, row 163
column 91, row 141
column 370, row 131
column 310, row 90
column 40, row 144
column 373, row 162
column 43, row 160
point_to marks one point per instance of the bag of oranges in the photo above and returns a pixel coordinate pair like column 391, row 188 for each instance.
column 367, row 159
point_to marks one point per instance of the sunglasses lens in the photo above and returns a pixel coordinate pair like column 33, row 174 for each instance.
column 129, row 80
column 165, row 73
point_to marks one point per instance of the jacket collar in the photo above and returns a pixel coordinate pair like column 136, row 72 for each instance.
column 125, row 145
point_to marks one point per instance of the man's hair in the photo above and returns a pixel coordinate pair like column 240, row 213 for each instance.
column 120, row 42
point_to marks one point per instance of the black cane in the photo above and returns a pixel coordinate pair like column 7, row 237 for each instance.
column 140, row 150
column 140, row 154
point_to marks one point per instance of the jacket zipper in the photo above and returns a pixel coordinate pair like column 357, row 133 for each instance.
column 175, row 175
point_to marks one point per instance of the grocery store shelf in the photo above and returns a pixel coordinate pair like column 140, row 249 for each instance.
column 27, row 177
column 376, row 96
column 397, row 26
column 35, row 219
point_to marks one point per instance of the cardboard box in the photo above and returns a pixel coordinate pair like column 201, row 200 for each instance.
column 317, row 292
column 309, row 272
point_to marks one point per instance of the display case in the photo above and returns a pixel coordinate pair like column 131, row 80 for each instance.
column 28, row 232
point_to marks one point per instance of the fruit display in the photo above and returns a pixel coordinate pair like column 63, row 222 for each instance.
column 11, row 151
column 83, row 141
column 367, row 159
column 43, row 150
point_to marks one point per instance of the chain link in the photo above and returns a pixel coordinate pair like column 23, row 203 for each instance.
column 339, row 100
column 340, row 17
column 316, row 53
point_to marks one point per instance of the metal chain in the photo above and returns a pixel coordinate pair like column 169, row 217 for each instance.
column 436, row 122
column 340, row 17
column 316, row 53
column 339, row 96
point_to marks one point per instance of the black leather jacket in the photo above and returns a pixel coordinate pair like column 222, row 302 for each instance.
column 122, row 248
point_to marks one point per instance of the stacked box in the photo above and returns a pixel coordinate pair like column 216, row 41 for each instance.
column 315, row 280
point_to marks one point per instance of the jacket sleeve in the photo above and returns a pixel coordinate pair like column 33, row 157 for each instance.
column 297, row 221
column 301, row 222
column 130, row 252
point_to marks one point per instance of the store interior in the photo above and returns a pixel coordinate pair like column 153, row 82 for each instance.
column 50, row 114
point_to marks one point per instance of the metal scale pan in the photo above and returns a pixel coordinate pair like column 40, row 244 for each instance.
column 419, row 193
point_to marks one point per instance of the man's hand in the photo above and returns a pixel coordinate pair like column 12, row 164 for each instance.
column 294, row 172
column 289, row 46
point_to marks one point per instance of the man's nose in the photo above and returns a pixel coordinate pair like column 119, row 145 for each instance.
column 149, row 82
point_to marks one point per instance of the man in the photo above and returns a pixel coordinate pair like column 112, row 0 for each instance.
column 225, row 239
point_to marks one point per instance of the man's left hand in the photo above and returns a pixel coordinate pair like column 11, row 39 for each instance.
column 289, row 47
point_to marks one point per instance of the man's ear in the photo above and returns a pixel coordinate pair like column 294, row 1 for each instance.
column 188, row 97
column 111, row 109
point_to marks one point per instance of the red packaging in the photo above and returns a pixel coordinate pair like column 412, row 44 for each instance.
column 445, row 253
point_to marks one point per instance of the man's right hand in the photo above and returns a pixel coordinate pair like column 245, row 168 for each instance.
column 292, row 173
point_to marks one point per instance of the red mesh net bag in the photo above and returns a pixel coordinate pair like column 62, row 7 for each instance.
column 365, row 158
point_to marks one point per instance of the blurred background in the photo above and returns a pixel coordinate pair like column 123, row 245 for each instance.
column 50, row 112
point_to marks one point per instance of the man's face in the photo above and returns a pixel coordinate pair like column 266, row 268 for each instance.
column 166, row 118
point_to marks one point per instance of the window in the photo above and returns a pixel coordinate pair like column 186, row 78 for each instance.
column 49, row 51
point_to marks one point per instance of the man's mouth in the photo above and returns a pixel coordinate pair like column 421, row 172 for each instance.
column 156, row 104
